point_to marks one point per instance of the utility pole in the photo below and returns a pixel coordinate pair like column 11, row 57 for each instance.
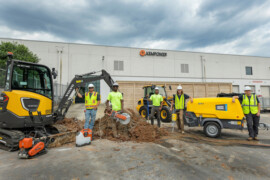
column 60, row 53
column 203, row 69
column 103, row 59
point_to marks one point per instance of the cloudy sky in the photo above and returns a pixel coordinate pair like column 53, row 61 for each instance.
column 218, row 26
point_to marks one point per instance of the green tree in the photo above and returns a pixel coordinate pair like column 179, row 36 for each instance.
column 20, row 52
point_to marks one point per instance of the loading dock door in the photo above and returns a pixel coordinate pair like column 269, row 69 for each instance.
column 265, row 91
column 235, row 88
column 265, row 99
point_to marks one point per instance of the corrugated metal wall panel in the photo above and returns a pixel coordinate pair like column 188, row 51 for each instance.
column 133, row 90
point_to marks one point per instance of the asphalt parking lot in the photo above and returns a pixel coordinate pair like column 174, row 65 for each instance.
column 189, row 156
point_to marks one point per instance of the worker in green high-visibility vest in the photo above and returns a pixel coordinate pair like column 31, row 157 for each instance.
column 116, row 99
column 178, row 103
column 251, row 108
column 157, row 101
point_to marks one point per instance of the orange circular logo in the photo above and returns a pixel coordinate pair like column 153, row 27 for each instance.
column 142, row 52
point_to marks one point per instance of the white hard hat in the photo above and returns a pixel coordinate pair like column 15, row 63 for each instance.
column 91, row 85
column 247, row 88
column 115, row 84
column 179, row 88
column 156, row 88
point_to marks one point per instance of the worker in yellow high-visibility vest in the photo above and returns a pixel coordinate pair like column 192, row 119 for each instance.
column 251, row 108
column 178, row 103
column 92, row 101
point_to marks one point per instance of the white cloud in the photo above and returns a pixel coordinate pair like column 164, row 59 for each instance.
column 156, row 44
column 6, row 32
column 109, row 25
column 255, row 42
column 83, row 42
column 67, row 5
column 196, row 25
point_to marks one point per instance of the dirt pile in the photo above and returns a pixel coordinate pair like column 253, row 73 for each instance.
column 69, row 124
column 137, row 130
column 107, row 128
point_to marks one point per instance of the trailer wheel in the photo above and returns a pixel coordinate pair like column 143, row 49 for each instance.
column 212, row 129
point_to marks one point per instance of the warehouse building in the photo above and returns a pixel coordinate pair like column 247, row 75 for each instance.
column 201, row 74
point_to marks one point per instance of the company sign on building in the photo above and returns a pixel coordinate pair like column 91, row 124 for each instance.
column 152, row 53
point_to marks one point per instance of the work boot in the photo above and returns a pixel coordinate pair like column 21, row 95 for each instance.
column 250, row 139
column 256, row 139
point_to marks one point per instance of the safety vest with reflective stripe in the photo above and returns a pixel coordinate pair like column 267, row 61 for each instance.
column 250, row 105
column 90, row 102
column 179, row 103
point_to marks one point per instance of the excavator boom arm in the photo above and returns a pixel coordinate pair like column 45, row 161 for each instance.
column 79, row 81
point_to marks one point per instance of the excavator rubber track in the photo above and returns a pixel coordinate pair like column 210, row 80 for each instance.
column 9, row 139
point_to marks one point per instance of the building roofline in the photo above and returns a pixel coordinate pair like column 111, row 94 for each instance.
column 197, row 52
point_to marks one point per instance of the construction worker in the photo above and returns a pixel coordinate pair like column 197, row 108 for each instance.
column 251, row 108
column 178, row 103
column 117, row 102
column 116, row 99
column 92, row 101
column 157, row 100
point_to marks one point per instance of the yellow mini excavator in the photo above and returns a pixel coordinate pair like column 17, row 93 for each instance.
column 26, row 104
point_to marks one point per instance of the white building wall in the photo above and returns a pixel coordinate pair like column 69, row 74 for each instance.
column 84, row 58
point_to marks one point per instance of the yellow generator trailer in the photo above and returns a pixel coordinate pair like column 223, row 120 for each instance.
column 144, row 106
column 214, row 114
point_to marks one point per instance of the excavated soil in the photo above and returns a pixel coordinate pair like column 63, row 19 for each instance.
column 137, row 130
column 107, row 128
column 69, row 124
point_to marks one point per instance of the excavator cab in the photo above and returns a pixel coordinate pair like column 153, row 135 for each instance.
column 29, row 77
column 27, row 99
